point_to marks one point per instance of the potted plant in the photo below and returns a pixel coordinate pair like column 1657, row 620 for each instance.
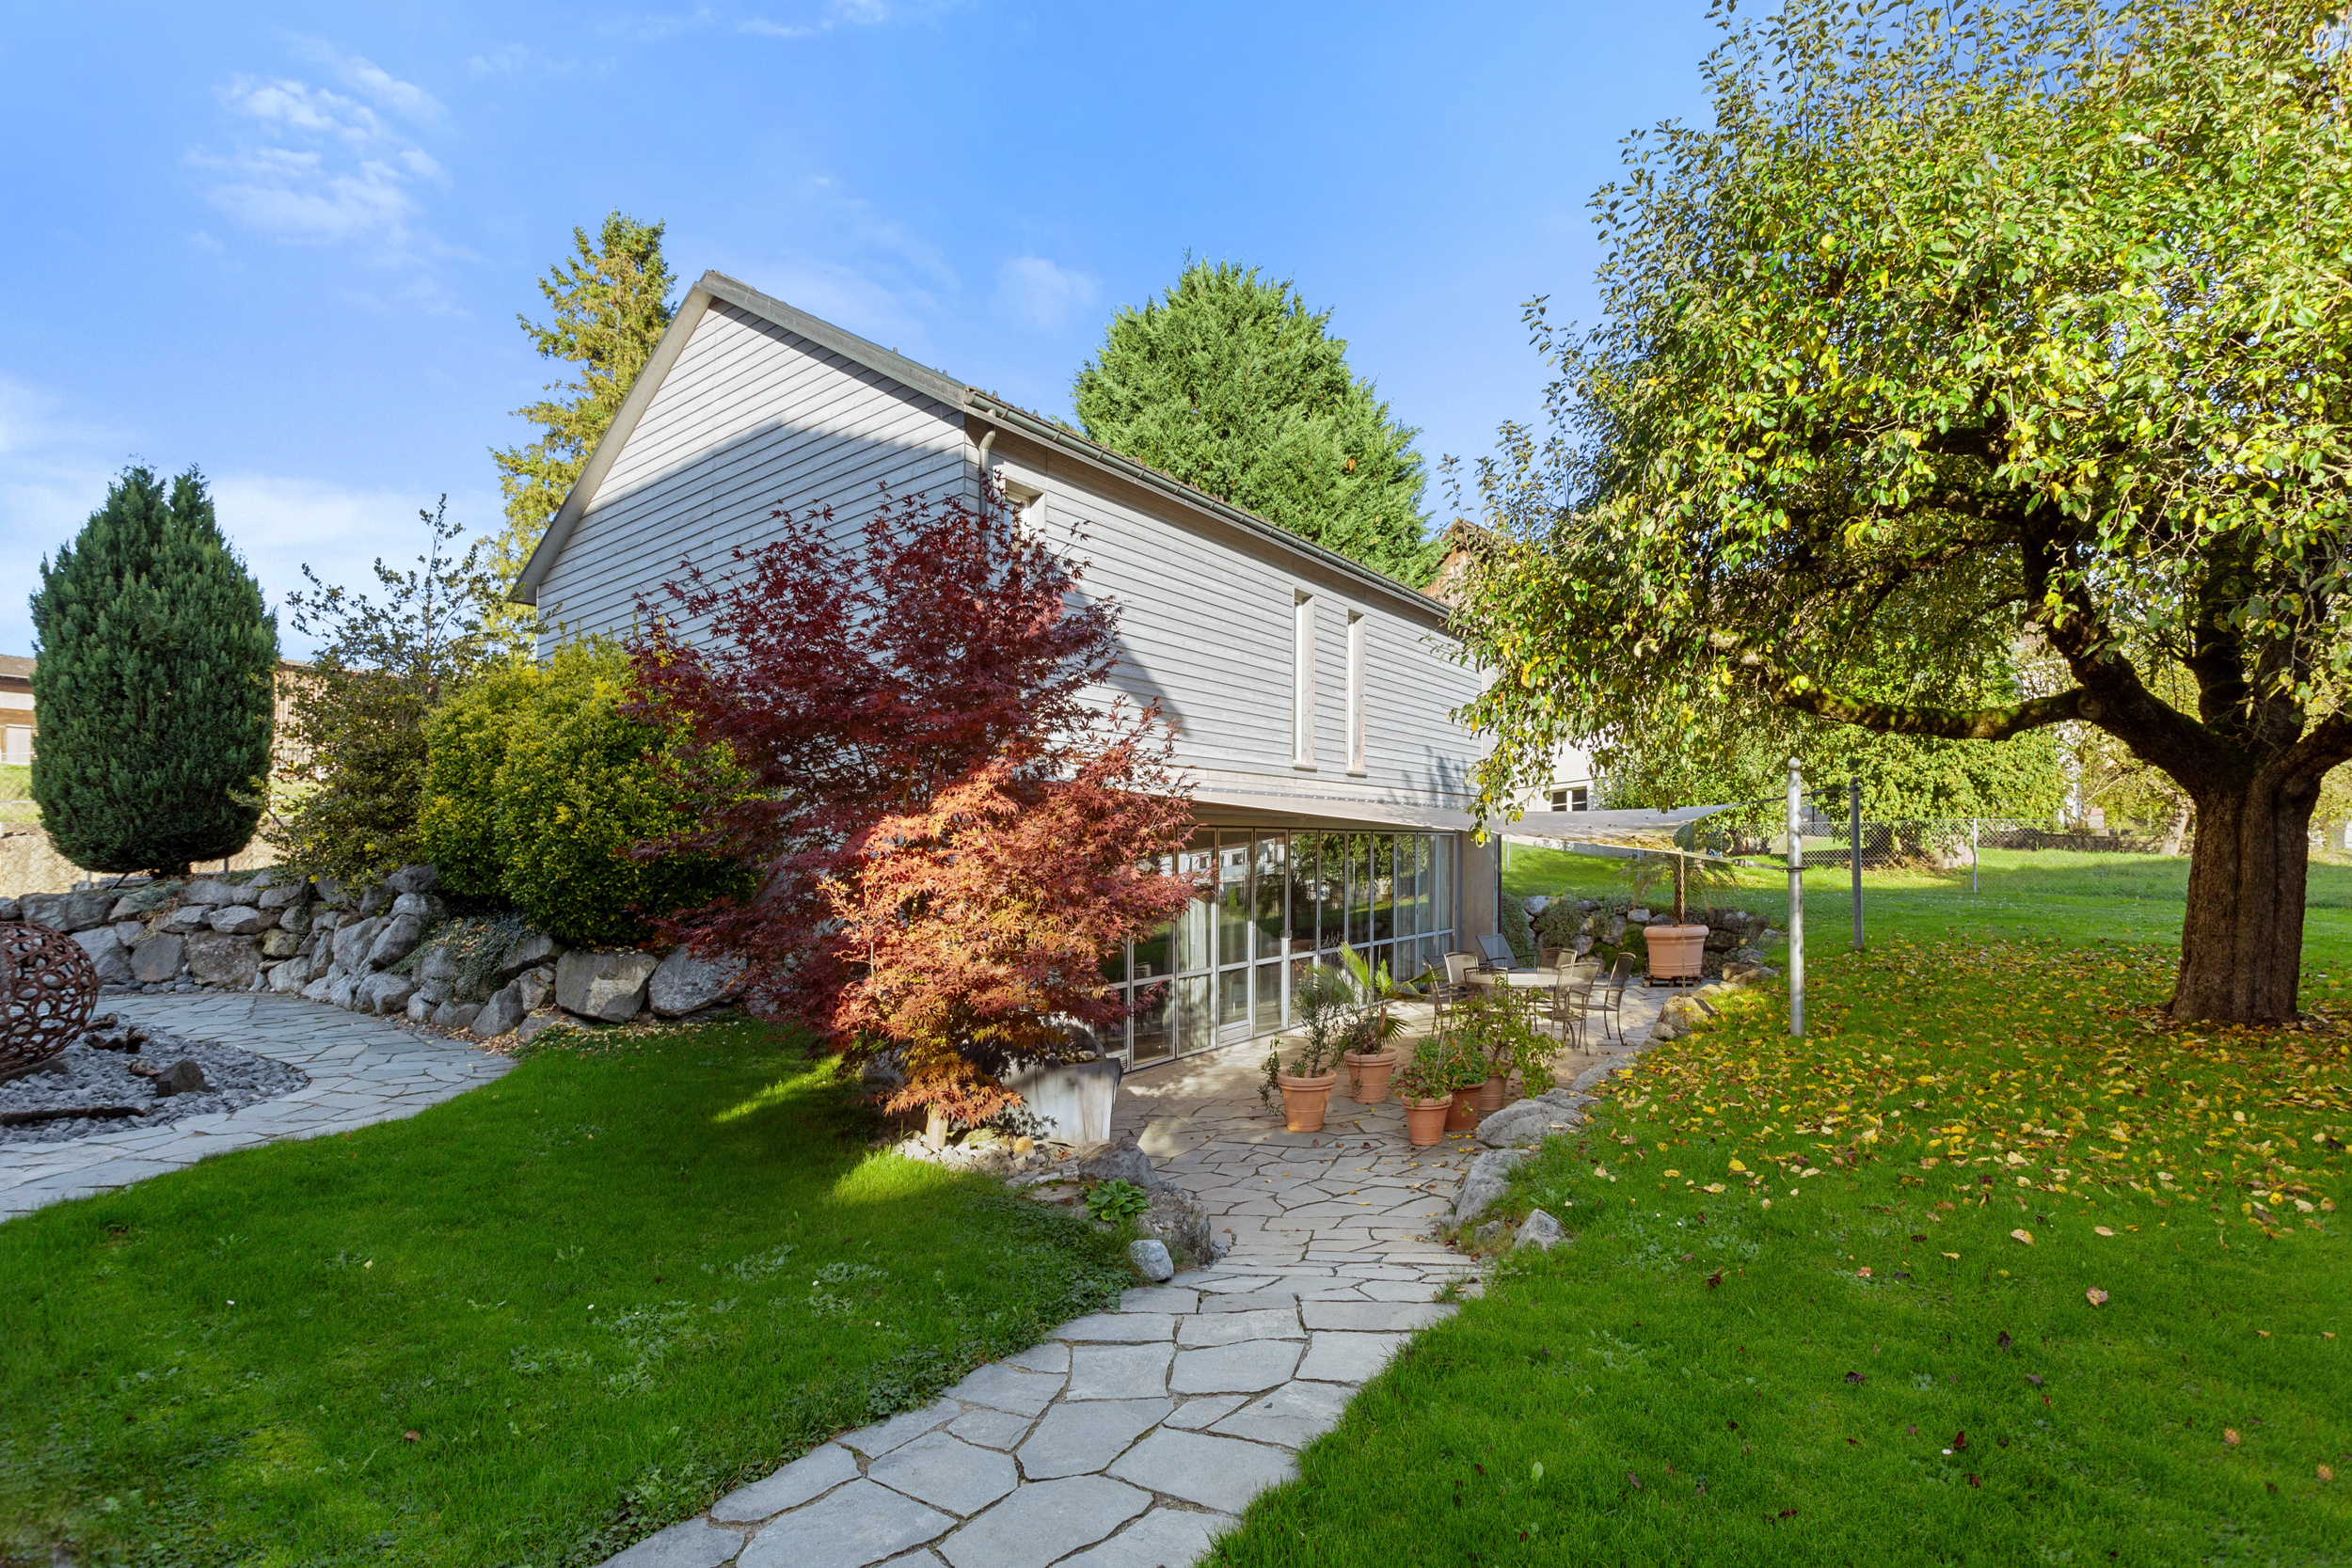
column 1426, row 1084
column 1370, row 1056
column 1325, row 1002
column 1467, row 1066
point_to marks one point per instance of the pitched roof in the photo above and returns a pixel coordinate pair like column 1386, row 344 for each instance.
column 970, row 402
column 17, row 665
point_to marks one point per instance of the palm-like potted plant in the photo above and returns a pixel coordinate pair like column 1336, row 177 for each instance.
column 1370, row 1056
column 1325, row 1002
column 1426, row 1084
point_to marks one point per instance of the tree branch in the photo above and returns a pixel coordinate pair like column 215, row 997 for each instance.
column 1790, row 690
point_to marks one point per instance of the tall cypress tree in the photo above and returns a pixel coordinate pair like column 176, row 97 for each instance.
column 1232, row 384
column 153, row 684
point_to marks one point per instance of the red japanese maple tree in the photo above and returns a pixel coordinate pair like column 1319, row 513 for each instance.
column 892, row 724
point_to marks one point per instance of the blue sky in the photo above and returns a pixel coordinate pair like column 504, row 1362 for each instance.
column 288, row 244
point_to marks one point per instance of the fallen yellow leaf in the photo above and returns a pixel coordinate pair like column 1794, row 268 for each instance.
column 2099, row 1298
column 2021, row 1235
column 2326, row 1474
column 1737, row 1165
column 1951, row 1255
column 2263, row 1332
column 2101, row 1230
column 2229, row 1435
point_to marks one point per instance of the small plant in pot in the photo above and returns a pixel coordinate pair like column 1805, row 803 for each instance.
column 1325, row 1002
column 1370, row 1056
column 1425, row 1085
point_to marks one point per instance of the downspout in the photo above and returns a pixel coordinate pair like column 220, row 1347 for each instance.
column 986, row 441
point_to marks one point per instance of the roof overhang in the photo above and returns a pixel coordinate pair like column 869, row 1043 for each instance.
column 962, row 400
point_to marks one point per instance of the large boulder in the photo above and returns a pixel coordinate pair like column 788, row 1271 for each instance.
column 290, row 977
column 1121, row 1159
column 280, row 895
column 606, row 986
column 296, row 918
column 1538, row 1230
column 332, row 893
column 533, row 987
column 383, row 993
column 218, row 958
column 187, row 917
column 277, row 944
column 209, row 892
column 499, row 1015
column 374, row 899
column 240, row 919
column 68, row 912
column 456, row 1015
column 353, row 941
column 158, row 959
column 395, row 940
column 414, row 879
column 438, row 964
column 683, row 983
column 11, row 909
column 1526, row 1122
column 1487, row 1179
column 424, row 905
column 529, row 951
column 106, row 955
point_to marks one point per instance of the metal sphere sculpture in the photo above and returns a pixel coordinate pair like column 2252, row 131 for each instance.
column 47, row 988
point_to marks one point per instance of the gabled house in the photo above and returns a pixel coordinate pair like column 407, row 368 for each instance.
column 1310, row 694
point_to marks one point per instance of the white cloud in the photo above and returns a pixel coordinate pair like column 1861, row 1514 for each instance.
column 371, row 81
column 512, row 59
column 848, row 13
column 307, row 164
column 1036, row 293
column 54, row 468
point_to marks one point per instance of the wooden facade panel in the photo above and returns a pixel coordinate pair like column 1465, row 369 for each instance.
column 750, row 418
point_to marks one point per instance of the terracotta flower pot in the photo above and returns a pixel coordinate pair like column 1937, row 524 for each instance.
column 1675, row 951
column 1426, row 1119
column 1368, row 1076
column 1463, row 1118
column 1492, row 1093
column 1303, row 1101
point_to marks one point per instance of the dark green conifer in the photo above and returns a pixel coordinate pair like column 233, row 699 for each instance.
column 153, row 685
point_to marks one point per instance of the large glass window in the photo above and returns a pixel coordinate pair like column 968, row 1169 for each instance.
column 1268, row 897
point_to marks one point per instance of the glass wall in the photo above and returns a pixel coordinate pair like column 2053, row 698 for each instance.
column 1270, row 904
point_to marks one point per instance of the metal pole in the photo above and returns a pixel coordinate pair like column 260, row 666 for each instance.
column 1972, row 857
column 1854, row 836
column 1796, row 905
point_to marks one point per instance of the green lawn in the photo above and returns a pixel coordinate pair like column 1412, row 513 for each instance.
column 1794, row 1325
column 525, row 1327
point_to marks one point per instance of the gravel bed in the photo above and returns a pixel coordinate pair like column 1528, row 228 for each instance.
column 97, row 1070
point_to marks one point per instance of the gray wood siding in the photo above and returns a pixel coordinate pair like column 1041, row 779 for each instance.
column 749, row 419
column 1206, row 627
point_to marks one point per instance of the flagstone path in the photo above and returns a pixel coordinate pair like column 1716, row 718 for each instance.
column 362, row 1071
column 1130, row 1438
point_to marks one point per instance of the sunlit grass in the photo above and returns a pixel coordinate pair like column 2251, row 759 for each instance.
column 525, row 1327
column 1800, row 1319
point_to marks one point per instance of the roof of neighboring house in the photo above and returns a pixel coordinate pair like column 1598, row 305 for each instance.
column 13, row 664
column 955, row 394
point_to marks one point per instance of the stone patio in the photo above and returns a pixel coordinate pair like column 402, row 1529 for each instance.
column 1129, row 1438
column 362, row 1071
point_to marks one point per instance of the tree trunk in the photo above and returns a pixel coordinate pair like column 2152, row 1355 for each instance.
column 2242, row 935
column 935, row 1127
column 2177, row 828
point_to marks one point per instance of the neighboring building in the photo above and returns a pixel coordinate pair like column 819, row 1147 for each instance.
column 16, row 711
column 1310, row 694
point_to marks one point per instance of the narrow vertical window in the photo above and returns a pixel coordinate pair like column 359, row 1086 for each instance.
column 1355, row 692
column 1303, row 681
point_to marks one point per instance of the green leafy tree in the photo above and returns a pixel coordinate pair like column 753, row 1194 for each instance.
column 357, row 723
column 612, row 304
column 1954, row 329
column 1231, row 385
column 153, row 681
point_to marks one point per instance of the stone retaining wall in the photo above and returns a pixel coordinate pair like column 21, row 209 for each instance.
column 385, row 948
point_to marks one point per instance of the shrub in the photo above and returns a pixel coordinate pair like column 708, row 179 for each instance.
column 465, row 746
column 1516, row 929
column 577, row 788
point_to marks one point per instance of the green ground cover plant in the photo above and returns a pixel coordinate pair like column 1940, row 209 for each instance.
column 1992, row 1266
column 527, row 1326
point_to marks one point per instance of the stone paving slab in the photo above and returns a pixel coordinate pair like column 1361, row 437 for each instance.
column 362, row 1071
column 1131, row 1439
